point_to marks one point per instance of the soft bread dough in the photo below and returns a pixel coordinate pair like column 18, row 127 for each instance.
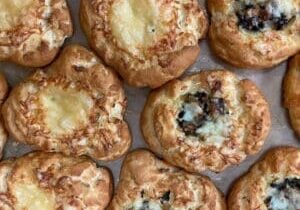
column 149, row 183
column 148, row 42
column 32, row 31
column 225, row 120
column 76, row 107
column 269, row 182
column 50, row 181
column 258, row 48
column 292, row 92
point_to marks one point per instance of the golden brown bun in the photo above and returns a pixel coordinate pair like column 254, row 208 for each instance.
column 148, row 42
column 146, row 181
column 252, row 191
column 292, row 92
column 31, row 31
column 254, row 49
column 49, row 181
column 76, row 107
column 225, row 120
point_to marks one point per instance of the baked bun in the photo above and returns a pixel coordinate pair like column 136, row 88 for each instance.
column 3, row 93
column 32, row 31
column 292, row 92
column 149, row 183
column 209, row 120
column 148, row 42
column 255, row 34
column 49, row 181
column 75, row 107
column 272, row 184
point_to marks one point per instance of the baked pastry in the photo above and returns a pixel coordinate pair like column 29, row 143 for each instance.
column 254, row 33
column 148, row 42
column 272, row 184
column 149, row 183
column 76, row 107
column 292, row 92
column 208, row 120
column 3, row 93
column 49, row 181
column 31, row 32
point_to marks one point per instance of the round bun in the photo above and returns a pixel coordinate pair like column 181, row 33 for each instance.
column 32, row 31
column 292, row 92
column 52, row 181
column 272, row 184
column 76, row 107
column 208, row 120
column 148, row 42
column 149, row 183
column 254, row 34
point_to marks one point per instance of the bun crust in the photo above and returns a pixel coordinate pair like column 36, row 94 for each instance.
column 292, row 92
column 257, row 189
column 149, row 183
column 52, row 181
column 31, row 32
column 209, row 120
column 272, row 36
column 76, row 107
column 147, row 42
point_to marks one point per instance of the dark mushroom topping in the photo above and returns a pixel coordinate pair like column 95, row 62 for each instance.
column 197, row 109
column 256, row 17
column 166, row 197
column 284, row 195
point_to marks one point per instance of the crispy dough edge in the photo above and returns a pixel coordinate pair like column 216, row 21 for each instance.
column 40, row 57
column 291, row 98
column 233, row 50
column 259, row 126
column 153, row 77
column 27, row 158
column 10, row 118
column 271, row 161
column 140, row 156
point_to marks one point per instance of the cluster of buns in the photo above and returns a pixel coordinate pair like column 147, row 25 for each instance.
column 211, row 120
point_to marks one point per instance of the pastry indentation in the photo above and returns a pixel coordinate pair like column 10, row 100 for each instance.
column 11, row 11
column 198, row 109
column 259, row 16
column 284, row 195
column 65, row 108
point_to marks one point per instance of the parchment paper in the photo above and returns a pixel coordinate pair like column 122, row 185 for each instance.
column 269, row 81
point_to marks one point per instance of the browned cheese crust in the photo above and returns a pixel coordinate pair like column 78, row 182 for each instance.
column 149, row 183
column 32, row 31
column 76, row 107
column 51, row 181
column 254, row 35
column 209, row 120
column 280, row 169
column 3, row 93
column 148, row 42
column 292, row 92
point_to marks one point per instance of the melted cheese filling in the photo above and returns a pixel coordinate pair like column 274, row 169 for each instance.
column 31, row 197
column 141, row 204
column 11, row 11
column 135, row 23
column 66, row 109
